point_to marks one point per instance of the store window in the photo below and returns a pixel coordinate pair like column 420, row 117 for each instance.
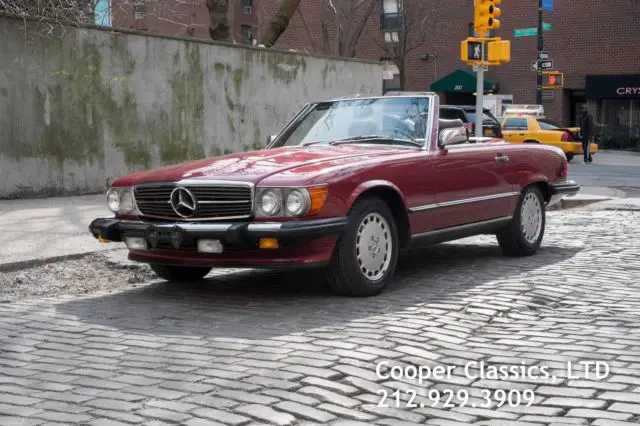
column 620, row 115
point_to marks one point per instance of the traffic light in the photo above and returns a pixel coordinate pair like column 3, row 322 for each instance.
column 471, row 50
column 553, row 80
column 485, row 16
column 481, row 16
column 499, row 52
column 494, row 15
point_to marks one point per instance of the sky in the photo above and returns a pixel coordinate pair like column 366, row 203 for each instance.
column 102, row 15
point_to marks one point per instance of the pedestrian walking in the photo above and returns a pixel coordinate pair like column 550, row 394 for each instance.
column 587, row 133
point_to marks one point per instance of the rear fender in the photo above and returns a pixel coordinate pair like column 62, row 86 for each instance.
column 539, row 180
column 533, row 178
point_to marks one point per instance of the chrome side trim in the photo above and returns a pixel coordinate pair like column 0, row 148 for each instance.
column 264, row 226
column 462, row 201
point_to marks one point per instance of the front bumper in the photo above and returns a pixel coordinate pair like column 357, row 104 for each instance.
column 567, row 188
column 300, row 242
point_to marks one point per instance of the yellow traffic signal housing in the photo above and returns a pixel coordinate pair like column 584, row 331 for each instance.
column 481, row 16
column 471, row 50
column 552, row 80
column 499, row 52
column 494, row 14
column 485, row 16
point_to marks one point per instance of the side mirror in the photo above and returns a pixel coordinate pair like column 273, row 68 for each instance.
column 270, row 139
column 452, row 132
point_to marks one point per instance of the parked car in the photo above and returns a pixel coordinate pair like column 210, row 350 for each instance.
column 467, row 113
column 524, row 128
column 342, row 187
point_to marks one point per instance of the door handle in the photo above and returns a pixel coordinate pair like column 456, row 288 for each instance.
column 502, row 158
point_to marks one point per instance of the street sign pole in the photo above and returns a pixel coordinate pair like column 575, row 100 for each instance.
column 479, row 94
column 540, row 49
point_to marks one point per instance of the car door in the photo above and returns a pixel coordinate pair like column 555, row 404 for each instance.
column 471, row 183
column 514, row 129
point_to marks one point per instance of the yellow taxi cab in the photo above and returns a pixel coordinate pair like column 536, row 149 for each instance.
column 525, row 128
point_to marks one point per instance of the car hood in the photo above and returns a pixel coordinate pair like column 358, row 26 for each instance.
column 254, row 166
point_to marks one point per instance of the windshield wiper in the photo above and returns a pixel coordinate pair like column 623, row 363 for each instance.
column 310, row 143
column 376, row 139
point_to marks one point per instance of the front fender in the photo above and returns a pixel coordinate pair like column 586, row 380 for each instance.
column 366, row 186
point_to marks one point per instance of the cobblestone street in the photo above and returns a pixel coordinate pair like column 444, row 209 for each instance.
column 278, row 348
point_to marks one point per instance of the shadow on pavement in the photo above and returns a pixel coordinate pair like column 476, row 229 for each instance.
column 265, row 304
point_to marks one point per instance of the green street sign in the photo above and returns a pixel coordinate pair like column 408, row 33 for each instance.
column 526, row 32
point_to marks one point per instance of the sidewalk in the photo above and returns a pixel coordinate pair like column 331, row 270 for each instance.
column 46, row 230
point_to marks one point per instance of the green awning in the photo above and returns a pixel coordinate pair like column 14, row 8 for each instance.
column 461, row 80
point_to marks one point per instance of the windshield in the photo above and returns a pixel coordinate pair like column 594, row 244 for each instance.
column 391, row 117
column 486, row 118
column 547, row 124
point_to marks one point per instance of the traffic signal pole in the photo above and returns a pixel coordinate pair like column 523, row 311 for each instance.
column 540, row 49
column 473, row 49
column 479, row 95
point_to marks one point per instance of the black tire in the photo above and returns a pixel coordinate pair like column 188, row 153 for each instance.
column 512, row 238
column 531, row 141
column 345, row 273
column 569, row 157
column 180, row 273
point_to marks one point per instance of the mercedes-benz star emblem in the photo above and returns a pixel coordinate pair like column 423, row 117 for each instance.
column 184, row 203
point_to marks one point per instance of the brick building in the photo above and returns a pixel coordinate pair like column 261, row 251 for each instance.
column 593, row 42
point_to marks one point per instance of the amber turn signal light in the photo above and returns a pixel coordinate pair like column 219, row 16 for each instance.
column 268, row 243
column 318, row 196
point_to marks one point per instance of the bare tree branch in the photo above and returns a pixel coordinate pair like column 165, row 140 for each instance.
column 279, row 22
column 307, row 29
column 357, row 33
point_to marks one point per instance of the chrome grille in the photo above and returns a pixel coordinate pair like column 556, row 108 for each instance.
column 213, row 201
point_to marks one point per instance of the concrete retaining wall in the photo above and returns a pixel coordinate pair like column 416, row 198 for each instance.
column 78, row 111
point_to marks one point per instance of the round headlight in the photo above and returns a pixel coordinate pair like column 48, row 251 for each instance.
column 113, row 200
column 270, row 203
column 297, row 203
column 126, row 201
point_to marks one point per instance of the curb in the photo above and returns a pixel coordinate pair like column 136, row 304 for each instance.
column 32, row 263
column 572, row 203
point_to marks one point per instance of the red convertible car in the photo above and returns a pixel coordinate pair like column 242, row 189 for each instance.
column 346, row 185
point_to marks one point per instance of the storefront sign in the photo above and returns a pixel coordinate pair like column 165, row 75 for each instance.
column 628, row 91
column 613, row 86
